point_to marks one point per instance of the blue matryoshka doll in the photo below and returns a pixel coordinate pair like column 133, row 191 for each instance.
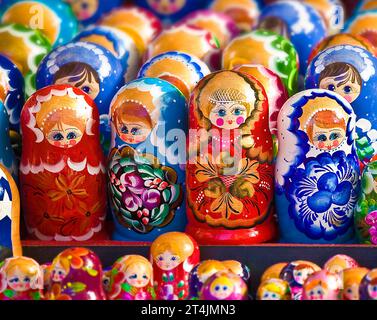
column 170, row 11
column 118, row 43
column 90, row 67
column 146, row 164
column 54, row 19
column 297, row 21
column 89, row 11
column 317, row 171
column 351, row 72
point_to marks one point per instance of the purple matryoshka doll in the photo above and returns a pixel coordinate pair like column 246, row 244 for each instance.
column 322, row 285
column 224, row 286
column 146, row 162
column 131, row 278
column 89, row 67
column 317, row 171
column 76, row 274
column 351, row 72
column 368, row 286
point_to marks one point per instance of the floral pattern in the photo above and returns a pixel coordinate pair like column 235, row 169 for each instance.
column 322, row 196
column 371, row 220
column 144, row 194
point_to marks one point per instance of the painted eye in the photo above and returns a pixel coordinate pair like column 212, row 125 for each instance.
column 375, row 289
column 135, row 131
column 173, row 258
column 322, row 137
column 273, row 295
column 145, row 277
column 60, row 273
column 14, row 280
column 225, row 288
column 334, row 136
column 134, row 276
column 311, row 293
column 27, row 279
column 299, row 274
column 265, row 295
column 84, row 5
column 319, row 291
column 347, row 89
column 57, row 137
column 349, row 290
column 217, row 288
column 71, row 135
column 124, row 130
column 86, row 89
column 331, row 87
column 161, row 258
column 237, row 112
column 221, row 113
column 105, row 281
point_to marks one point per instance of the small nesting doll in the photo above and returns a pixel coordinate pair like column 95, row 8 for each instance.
column 118, row 43
column 140, row 24
column 317, row 171
column 351, row 283
column 368, row 286
column 244, row 12
column 185, row 38
column 224, row 286
column 54, row 19
column 146, row 163
column 76, row 274
column 238, row 268
column 90, row 67
column 63, row 170
column 170, row 11
column 223, row 28
column 26, row 48
column 364, row 24
column 89, row 11
column 273, row 272
column 296, row 273
column 173, row 256
column 351, row 72
column 230, row 172
column 322, row 285
column 180, row 69
column 274, row 289
column 340, row 262
column 297, row 21
column 268, row 49
column 131, row 278
column 21, row 278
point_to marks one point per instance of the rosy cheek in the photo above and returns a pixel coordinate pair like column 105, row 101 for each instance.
column 72, row 142
column 321, row 144
column 335, row 143
column 57, row 144
column 220, row 122
column 240, row 120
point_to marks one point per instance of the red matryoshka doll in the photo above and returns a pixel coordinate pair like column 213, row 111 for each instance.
column 21, row 278
column 62, row 172
column 131, row 278
column 173, row 256
column 322, row 285
column 230, row 171
column 351, row 282
column 224, row 286
column 76, row 274
column 340, row 262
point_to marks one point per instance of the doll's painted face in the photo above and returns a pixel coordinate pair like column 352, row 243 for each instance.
column 326, row 130
column 58, row 273
column 138, row 276
column 167, row 6
column 372, row 291
column 316, row 293
column 64, row 135
column 221, row 288
column 351, row 292
column 270, row 295
column 84, row 9
column 18, row 281
column 343, row 79
column 229, row 109
column 168, row 260
column 79, row 75
column 301, row 274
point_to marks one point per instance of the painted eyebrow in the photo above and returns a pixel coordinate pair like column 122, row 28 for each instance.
column 71, row 129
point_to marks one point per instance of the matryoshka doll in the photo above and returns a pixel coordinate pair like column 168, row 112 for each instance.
column 201, row 273
column 26, row 48
column 238, row 268
column 230, row 172
column 297, row 21
column 274, row 289
column 364, row 24
column 322, row 285
column 119, row 43
column 131, row 278
column 340, row 262
column 21, row 278
column 89, row 11
column 140, row 24
column 188, row 39
column 146, row 162
column 273, row 272
column 76, row 274
column 63, row 170
column 54, row 19
column 296, row 273
column 224, row 286
column 368, row 286
column 180, row 69
column 351, row 72
column 317, row 171
column 90, row 67
column 351, row 282
column 244, row 12
column 268, row 49
column 173, row 256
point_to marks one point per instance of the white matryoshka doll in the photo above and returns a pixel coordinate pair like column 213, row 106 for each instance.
column 63, row 170
column 230, row 171
column 317, row 171
column 146, row 163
